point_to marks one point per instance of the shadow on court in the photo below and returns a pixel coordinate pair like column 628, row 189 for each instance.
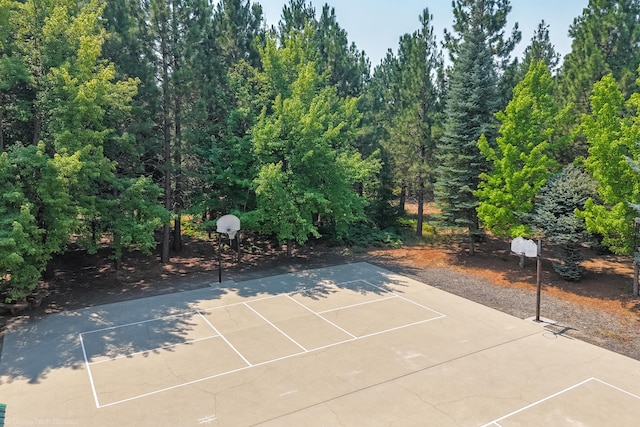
column 34, row 347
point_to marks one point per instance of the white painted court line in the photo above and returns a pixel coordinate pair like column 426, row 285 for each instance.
column 497, row 421
column 249, row 365
column 225, row 339
column 275, row 327
column 320, row 316
column 93, row 387
column 357, row 304
column 408, row 300
column 419, row 322
column 138, row 323
column 153, row 349
column 617, row 388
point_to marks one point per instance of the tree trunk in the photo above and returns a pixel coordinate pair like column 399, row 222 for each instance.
column 403, row 199
column 177, row 233
column 472, row 243
column 177, row 142
column 420, row 219
column 1, row 130
column 117, row 259
column 166, row 128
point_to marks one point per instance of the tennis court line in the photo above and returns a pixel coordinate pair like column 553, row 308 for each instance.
column 356, row 304
column 225, row 339
column 249, row 364
column 122, row 356
column 406, row 299
column 321, row 317
column 93, row 387
column 496, row 422
column 275, row 327
column 140, row 322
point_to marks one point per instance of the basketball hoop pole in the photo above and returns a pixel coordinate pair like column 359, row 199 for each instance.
column 219, row 258
column 538, row 284
column 229, row 225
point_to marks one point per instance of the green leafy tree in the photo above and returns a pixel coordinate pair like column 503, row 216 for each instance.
column 303, row 142
column 523, row 156
column 74, row 104
column 86, row 100
column 555, row 218
column 36, row 213
column 228, row 110
column 611, row 134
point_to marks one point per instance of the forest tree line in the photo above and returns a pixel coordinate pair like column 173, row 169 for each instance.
column 120, row 119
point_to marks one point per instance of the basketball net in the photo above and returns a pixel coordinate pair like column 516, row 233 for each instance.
column 232, row 234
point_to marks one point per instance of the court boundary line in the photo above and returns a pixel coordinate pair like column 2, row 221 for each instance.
column 497, row 421
column 224, row 338
column 249, row 364
column 321, row 317
column 124, row 356
column 275, row 327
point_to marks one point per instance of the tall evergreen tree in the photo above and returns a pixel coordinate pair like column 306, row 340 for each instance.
column 228, row 107
column 348, row 67
column 540, row 48
column 472, row 99
column 414, row 126
column 490, row 18
column 605, row 39
column 380, row 103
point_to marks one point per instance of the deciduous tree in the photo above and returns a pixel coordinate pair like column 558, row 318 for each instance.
column 523, row 156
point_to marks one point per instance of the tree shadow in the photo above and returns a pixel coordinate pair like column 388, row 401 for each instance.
column 35, row 346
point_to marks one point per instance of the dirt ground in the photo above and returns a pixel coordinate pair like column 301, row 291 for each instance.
column 599, row 309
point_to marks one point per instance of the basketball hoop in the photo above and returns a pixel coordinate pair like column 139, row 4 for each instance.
column 229, row 225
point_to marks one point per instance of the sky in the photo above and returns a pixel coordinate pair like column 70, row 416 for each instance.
column 376, row 25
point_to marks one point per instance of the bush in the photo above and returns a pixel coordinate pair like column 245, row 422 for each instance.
column 365, row 235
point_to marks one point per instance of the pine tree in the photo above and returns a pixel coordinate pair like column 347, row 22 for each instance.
column 490, row 18
column 470, row 105
column 541, row 49
column 413, row 126
column 554, row 218
column 605, row 38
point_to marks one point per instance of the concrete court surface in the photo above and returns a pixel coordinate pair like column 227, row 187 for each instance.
column 353, row 345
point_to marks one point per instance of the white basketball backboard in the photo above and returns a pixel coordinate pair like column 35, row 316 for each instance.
column 228, row 224
column 526, row 247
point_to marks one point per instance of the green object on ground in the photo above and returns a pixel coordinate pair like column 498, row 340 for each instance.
column 3, row 410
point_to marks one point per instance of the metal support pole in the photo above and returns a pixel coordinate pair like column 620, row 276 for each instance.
column 219, row 258
column 538, row 284
column 238, row 243
column 635, row 278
